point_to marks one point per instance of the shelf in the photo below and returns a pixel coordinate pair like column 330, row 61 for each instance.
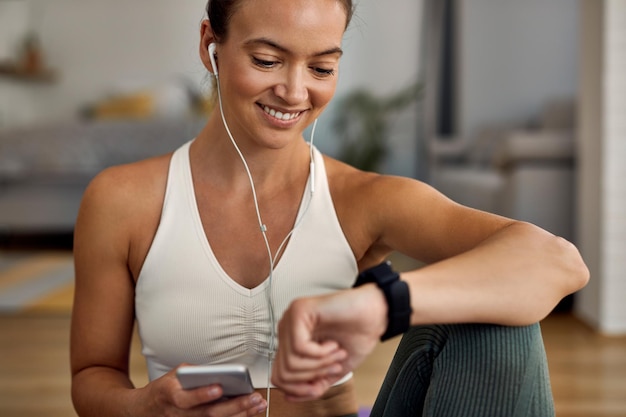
column 45, row 76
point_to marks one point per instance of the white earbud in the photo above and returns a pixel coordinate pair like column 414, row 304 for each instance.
column 212, row 47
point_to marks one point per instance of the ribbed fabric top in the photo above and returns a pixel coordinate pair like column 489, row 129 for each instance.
column 189, row 310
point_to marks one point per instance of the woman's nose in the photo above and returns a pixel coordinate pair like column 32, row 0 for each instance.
column 292, row 88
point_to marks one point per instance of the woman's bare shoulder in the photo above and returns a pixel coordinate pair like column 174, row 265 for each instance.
column 342, row 176
column 374, row 209
column 129, row 196
column 121, row 209
column 351, row 183
column 130, row 182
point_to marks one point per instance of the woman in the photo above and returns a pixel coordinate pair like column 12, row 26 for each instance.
column 208, row 246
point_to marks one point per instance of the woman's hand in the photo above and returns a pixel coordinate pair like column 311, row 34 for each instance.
column 323, row 338
column 165, row 396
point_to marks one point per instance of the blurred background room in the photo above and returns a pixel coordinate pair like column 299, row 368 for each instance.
column 514, row 107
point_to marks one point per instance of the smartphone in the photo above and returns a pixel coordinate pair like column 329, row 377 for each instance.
column 234, row 378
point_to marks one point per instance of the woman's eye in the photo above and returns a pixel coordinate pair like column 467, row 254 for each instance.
column 263, row 63
column 324, row 72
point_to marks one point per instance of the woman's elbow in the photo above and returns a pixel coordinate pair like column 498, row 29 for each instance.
column 575, row 272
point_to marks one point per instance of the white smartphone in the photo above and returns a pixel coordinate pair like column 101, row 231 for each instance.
column 234, row 378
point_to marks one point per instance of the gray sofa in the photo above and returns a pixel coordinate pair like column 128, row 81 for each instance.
column 530, row 176
column 44, row 169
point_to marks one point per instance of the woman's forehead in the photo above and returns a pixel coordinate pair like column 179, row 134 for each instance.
column 304, row 13
column 319, row 22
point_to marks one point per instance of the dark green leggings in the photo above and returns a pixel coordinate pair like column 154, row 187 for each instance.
column 468, row 370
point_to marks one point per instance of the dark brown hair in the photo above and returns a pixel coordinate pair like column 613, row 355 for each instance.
column 221, row 11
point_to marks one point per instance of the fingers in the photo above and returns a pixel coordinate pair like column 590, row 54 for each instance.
column 203, row 399
column 302, row 358
column 298, row 392
column 302, row 378
column 295, row 330
column 187, row 399
column 167, row 397
column 289, row 367
column 246, row 405
column 304, row 366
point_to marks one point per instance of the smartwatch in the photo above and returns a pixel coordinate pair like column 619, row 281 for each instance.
column 396, row 293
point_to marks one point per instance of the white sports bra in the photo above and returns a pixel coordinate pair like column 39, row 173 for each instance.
column 189, row 310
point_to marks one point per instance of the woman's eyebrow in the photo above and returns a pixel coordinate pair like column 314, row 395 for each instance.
column 268, row 42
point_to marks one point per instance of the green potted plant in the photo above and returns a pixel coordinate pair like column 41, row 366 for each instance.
column 361, row 123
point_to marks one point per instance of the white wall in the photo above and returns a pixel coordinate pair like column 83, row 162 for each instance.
column 14, row 21
column 382, row 54
column 513, row 57
column 382, row 45
column 99, row 46
column 602, row 148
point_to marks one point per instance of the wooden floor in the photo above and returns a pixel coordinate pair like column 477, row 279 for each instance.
column 588, row 370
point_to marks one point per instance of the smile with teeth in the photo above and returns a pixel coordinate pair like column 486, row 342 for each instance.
column 280, row 115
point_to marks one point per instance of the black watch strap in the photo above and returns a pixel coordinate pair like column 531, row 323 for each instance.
column 396, row 293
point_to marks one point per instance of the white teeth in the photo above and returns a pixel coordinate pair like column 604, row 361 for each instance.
column 280, row 115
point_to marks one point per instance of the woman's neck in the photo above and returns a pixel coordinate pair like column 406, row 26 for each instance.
column 214, row 157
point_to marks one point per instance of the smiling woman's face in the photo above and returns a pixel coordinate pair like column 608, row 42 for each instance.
column 278, row 66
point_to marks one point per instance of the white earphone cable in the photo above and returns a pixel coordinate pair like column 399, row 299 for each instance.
column 263, row 228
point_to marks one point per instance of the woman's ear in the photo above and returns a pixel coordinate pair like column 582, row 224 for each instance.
column 206, row 38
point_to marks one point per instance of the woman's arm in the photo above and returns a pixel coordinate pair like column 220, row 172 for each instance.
column 321, row 338
column 112, row 210
column 103, row 311
column 480, row 267
column 516, row 276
